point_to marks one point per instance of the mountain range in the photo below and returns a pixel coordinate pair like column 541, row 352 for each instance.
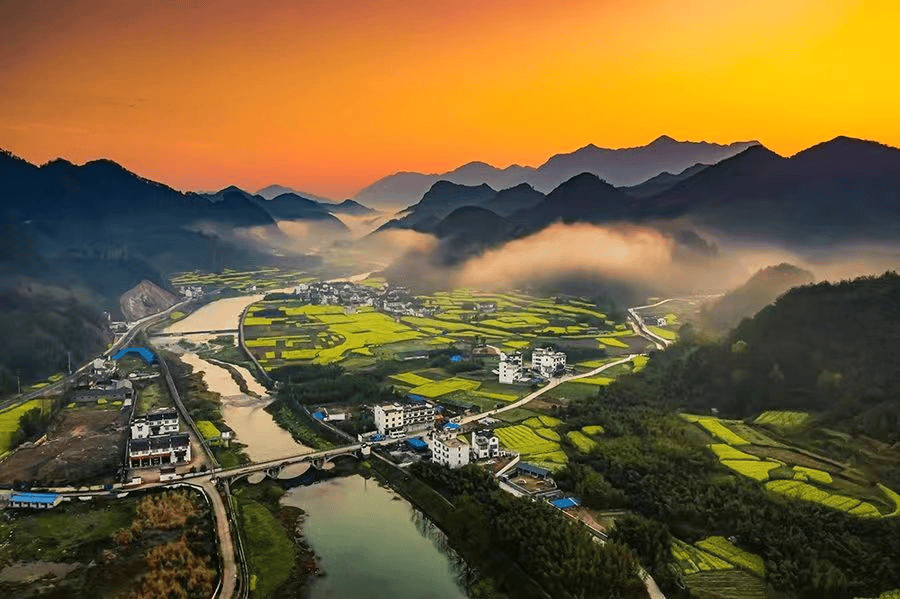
column 619, row 167
column 841, row 190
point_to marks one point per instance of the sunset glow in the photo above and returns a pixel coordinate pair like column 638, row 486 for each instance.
column 328, row 96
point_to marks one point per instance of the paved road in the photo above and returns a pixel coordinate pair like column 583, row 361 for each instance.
column 554, row 383
column 133, row 330
column 223, row 530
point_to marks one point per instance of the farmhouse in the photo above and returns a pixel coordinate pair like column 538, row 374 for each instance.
column 35, row 501
column 159, row 451
column 154, row 424
column 547, row 362
column 485, row 445
column 450, row 452
column 532, row 470
column 510, row 369
column 396, row 420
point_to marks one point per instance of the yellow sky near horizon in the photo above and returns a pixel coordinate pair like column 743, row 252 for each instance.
column 328, row 96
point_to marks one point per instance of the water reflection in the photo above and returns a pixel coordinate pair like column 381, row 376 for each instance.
column 374, row 544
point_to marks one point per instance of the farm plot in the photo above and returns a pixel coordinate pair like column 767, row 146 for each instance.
column 812, row 474
column 593, row 430
column 726, row 584
column 691, row 560
column 584, row 443
column 806, row 492
column 722, row 547
column 715, row 427
column 755, row 469
column 783, row 419
column 525, row 440
column 411, row 378
column 727, row 452
column 9, row 421
column 437, row 388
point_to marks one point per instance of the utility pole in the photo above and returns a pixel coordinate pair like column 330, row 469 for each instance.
column 69, row 356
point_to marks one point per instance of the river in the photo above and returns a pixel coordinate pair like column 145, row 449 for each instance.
column 245, row 414
column 374, row 544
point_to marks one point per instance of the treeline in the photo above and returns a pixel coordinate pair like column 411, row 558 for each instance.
column 652, row 462
column 560, row 556
column 828, row 348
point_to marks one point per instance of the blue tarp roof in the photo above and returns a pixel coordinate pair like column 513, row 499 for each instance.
column 416, row 398
column 318, row 415
column 532, row 469
column 456, row 358
column 417, row 443
column 34, row 497
column 143, row 352
column 566, row 502
column 451, row 426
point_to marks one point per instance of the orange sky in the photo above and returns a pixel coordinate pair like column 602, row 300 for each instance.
column 328, row 96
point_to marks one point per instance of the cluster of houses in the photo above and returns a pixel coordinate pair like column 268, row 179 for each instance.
column 155, row 441
column 394, row 300
column 545, row 364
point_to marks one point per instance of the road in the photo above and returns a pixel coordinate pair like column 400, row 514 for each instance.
column 135, row 328
column 553, row 384
column 226, row 547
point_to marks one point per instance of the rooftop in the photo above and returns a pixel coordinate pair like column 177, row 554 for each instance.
column 34, row 497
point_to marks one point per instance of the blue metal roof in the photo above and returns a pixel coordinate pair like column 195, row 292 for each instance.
column 456, row 358
column 34, row 497
column 417, row 443
column 318, row 415
column 416, row 398
column 531, row 469
column 566, row 502
column 143, row 352
column 451, row 426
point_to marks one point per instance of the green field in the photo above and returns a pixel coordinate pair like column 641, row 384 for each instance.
column 9, row 421
column 664, row 333
column 783, row 419
column 714, row 427
column 691, row 560
column 438, row 388
column 722, row 548
column 208, row 429
column 815, row 475
column 593, row 430
column 584, row 443
column 755, row 469
column 411, row 378
column 525, row 440
column 727, row 452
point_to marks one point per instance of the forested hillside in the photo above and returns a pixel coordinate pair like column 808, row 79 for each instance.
column 832, row 348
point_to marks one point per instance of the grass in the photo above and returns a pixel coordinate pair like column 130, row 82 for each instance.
column 208, row 429
column 9, row 421
column 525, row 440
column 151, row 397
column 783, row 418
column 267, row 545
column 718, row 430
column 516, row 415
column 584, row 443
column 722, row 548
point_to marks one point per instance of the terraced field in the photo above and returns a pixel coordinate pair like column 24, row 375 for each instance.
column 783, row 419
column 584, row 443
column 9, row 422
column 722, row 548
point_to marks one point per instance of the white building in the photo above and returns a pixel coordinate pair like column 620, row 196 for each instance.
column 395, row 420
column 547, row 361
column 510, row 369
column 155, row 424
column 450, row 452
column 159, row 451
column 485, row 445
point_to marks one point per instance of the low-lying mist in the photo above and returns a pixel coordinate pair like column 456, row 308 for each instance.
column 627, row 261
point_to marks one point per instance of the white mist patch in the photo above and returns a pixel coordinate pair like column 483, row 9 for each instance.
column 623, row 252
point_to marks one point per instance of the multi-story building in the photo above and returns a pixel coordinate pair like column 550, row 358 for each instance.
column 547, row 362
column 159, row 451
column 450, row 452
column 395, row 420
column 510, row 368
column 485, row 445
column 154, row 424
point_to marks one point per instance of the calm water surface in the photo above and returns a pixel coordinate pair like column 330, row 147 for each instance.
column 374, row 545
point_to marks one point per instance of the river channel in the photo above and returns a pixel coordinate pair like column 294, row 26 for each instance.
column 245, row 414
column 372, row 543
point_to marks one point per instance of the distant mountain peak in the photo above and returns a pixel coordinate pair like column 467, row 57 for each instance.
column 663, row 140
